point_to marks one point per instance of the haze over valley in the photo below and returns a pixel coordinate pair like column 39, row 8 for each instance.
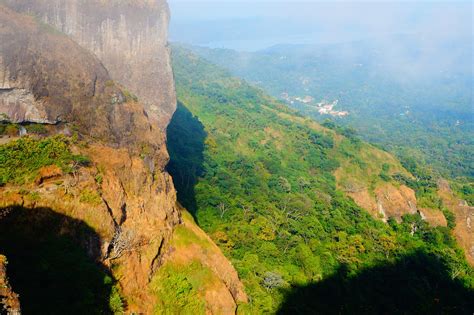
column 236, row 157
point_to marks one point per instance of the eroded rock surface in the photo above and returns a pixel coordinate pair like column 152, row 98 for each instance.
column 129, row 37
column 66, row 83
column 60, row 65
column 464, row 230
column 9, row 302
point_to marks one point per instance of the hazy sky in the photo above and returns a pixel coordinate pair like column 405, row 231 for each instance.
column 227, row 21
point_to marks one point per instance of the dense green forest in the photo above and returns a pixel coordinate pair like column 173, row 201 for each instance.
column 422, row 107
column 258, row 178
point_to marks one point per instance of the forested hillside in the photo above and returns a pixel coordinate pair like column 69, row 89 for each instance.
column 410, row 96
column 260, row 180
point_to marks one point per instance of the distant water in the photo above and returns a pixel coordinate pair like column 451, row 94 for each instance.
column 252, row 45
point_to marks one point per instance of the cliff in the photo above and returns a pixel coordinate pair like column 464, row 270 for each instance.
column 9, row 302
column 98, row 71
column 63, row 82
column 362, row 180
column 464, row 214
column 384, row 199
column 128, row 37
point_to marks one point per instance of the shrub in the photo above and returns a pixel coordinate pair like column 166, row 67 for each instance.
column 90, row 197
column 37, row 129
column 82, row 160
column 20, row 160
column 11, row 130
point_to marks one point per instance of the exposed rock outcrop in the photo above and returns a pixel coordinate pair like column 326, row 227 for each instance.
column 59, row 65
column 389, row 201
column 48, row 78
column 9, row 302
column 381, row 198
column 222, row 290
column 129, row 37
column 68, row 84
column 464, row 230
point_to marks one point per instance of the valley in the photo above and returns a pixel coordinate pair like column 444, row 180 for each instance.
column 421, row 109
column 143, row 177
column 291, row 201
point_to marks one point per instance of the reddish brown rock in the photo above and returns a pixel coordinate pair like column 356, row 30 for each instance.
column 9, row 302
column 125, row 195
column 464, row 230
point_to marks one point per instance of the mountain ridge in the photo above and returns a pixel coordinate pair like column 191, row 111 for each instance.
column 261, row 180
column 83, row 157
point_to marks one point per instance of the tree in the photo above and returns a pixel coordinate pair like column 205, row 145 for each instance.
column 123, row 241
column 222, row 209
column 272, row 280
column 284, row 184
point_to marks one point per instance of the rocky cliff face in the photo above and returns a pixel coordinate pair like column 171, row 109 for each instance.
column 9, row 302
column 101, row 70
column 129, row 37
column 47, row 78
column 66, row 83
column 382, row 199
column 464, row 230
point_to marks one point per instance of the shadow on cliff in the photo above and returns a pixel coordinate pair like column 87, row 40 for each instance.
column 186, row 137
column 48, row 264
column 415, row 284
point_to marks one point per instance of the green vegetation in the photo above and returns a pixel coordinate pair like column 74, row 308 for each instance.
column 9, row 129
column 427, row 116
column 184, row 237
column 90, row 196
column 20, row 160
column 116, row 303
column 178, row 288
column 372, row 290
column 465, row 191
column 38, row 129
column 259, row 179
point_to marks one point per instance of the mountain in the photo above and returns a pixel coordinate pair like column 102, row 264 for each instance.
column 313, row 218
column 88, row 216
column 410, row 93
column 99, row 162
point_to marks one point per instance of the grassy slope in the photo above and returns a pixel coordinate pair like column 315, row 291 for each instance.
column 266, row 192
column 181, row 284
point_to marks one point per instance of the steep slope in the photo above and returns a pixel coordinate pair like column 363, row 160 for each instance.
column 9, row 302
column 425, row 122
column 129, row 37
column 92, row 171
column 67, row 84
column 464, row 217
column 423, row 110
column 367, row 176
column 195, row 277
column 268, row 187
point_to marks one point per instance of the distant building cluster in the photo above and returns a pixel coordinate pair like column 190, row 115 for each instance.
column 323, row 107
